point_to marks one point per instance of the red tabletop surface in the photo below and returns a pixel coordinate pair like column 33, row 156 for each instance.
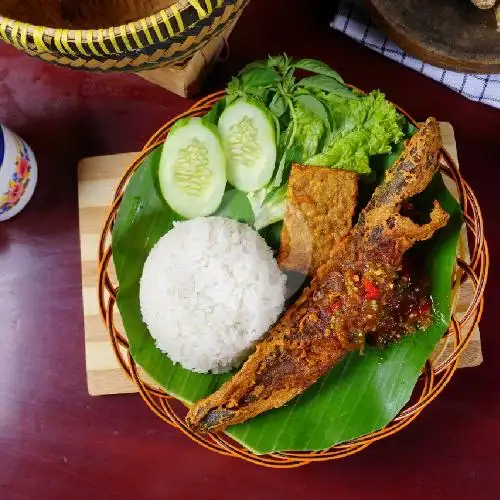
column 57, row 442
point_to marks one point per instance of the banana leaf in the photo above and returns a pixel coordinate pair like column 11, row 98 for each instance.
column 361, row 394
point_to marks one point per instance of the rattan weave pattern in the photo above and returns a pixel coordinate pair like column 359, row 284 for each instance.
column 163, row 38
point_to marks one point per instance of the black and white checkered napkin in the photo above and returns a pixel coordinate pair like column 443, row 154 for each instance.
column 352, row 20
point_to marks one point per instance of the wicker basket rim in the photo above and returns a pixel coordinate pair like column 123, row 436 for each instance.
column 171, row 12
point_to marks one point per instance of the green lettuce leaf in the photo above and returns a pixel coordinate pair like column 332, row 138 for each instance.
column 362, row 128
column 299, row 142
column 309, row 133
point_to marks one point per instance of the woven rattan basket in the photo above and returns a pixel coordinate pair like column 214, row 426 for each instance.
column 114, row 35
column 435, row 376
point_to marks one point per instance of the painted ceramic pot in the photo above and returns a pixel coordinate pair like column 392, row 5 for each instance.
column 18, row 174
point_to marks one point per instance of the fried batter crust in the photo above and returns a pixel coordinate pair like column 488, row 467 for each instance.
column 320, row 209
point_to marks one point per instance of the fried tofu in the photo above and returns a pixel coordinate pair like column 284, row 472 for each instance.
column 319, row 212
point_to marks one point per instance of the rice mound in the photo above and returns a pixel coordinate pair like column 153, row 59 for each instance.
column 210, row 289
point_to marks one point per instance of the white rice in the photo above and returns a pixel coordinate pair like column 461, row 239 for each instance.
column 209, row 291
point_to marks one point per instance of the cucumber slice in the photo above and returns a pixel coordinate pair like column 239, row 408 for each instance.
column 192, row 172
column 249, row 141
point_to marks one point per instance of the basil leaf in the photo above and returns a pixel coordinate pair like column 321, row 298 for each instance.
column 313, row 104
column 292, row 155
column 289, row 79
column 278, row 126
column 234, row 90
column 270, row 194
column 252, row 66
column 285, row 142
column 328, row 84
column 260, row 77
column 278, row 61
column 214, row 114
column 278, row 178
column 278, row 106
column 259, row 93
column 179, row 123
column 319, row 67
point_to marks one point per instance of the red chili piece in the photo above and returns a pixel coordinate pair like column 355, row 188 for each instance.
column 334, row 306
column 371, row 291
column 424, row 308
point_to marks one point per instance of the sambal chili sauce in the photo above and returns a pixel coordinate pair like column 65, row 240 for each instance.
column 407, row 310
column 389, row 307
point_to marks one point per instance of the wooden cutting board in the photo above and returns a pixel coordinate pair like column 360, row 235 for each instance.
column 452, row 34
column 97, row 179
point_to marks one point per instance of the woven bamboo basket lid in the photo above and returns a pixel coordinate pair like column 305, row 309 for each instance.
column 115, row 35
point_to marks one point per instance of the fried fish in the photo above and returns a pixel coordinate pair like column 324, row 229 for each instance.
column 344, row 302
column 320, row 208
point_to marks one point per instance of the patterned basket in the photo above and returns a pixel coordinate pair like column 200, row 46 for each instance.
column 141, row 34
column 436, row 375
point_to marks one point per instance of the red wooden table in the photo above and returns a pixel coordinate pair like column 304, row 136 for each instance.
column 56, row 442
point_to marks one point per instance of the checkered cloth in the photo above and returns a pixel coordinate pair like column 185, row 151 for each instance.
column 352, row 20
